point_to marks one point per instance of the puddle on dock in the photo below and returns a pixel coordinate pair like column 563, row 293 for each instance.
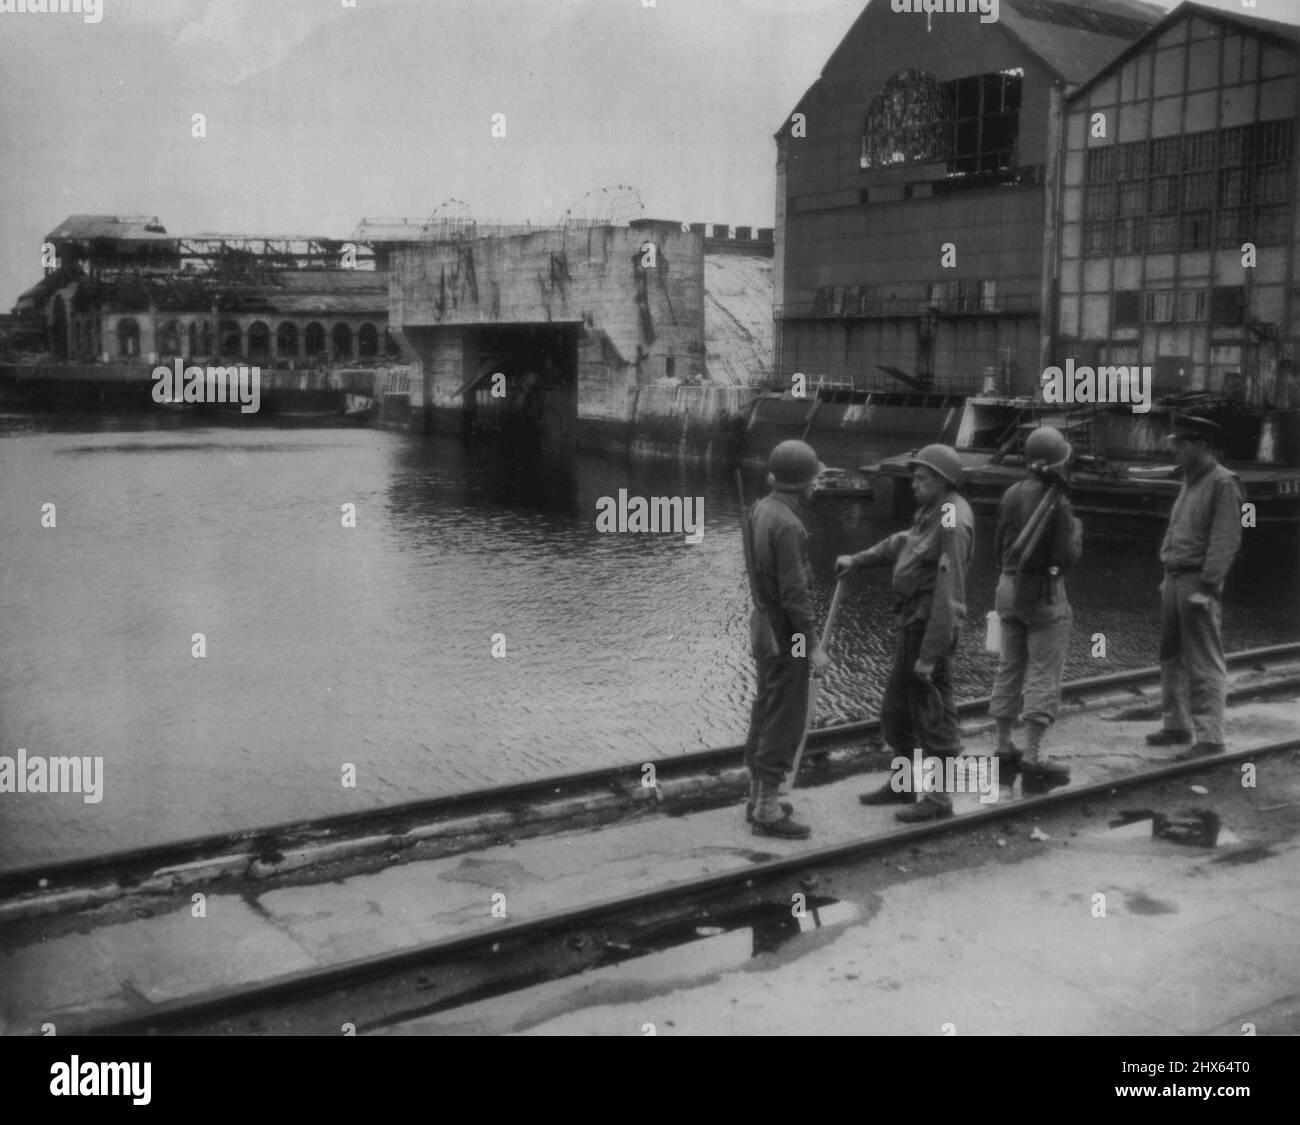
column 1138, row 902
column 720, row 942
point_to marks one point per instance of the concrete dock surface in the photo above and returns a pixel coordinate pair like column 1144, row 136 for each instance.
column 993, row 931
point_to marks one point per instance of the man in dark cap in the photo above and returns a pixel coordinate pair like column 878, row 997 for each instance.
column 783, row 632
column 1203, row 538
column 929, row 563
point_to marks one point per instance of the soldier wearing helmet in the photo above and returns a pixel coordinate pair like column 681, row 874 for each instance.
column 784, row 636
column 1031, row 604
column 929, row 586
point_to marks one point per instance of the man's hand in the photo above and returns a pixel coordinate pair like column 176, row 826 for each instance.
column 844, row 566
column 1202, row 600
column 820, row 661
column 923, row 668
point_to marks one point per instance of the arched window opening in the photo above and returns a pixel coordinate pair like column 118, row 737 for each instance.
column 314, row 339
column 169, row 338
column 286, row 340
column 342, row 341
column 368, row 341
column 259, row 340
column 128, row 337
column 232, row 342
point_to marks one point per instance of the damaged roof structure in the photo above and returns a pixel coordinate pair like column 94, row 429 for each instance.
column 123, row 290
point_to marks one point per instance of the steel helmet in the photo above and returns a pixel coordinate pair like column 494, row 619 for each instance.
column 941, row 459
column 1046, row 448
column 793, row 464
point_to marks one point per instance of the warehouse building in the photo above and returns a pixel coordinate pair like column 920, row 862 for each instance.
column 915, row 189
column 1178, row 211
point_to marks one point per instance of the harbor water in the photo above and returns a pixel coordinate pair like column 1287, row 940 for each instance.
column 474, row 628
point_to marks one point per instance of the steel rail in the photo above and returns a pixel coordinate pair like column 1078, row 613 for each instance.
column 134, row 864
column 313, row 984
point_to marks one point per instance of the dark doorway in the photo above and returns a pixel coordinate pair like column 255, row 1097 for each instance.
column 522, row 385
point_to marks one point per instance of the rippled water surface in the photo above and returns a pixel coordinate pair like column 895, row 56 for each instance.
column 328, row 645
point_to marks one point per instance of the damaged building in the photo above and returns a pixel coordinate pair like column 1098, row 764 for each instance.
column 121, row 295
column 916, row 182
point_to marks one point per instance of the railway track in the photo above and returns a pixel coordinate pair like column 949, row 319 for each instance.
column 370, row 993
column 444, row 825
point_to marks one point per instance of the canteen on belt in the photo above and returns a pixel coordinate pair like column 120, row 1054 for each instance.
column 993, row 632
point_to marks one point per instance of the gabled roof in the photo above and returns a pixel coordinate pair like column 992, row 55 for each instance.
column 1071, row 38
column 127, row 228
column 1288, row 34
column 1076, row 39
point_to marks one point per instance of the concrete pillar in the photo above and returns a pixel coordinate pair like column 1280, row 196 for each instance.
column 149, row 335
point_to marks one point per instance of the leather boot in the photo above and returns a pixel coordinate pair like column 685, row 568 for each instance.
column 751, row 804
column 1007, row 750
column 770, row 819
column 1039, row 771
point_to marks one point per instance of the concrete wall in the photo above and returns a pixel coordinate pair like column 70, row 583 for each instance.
column 633, row 318
column 700, row 424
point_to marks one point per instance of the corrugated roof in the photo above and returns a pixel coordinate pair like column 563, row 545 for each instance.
column 737, row 317
column 130, row 228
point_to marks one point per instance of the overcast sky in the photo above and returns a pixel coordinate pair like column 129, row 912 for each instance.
column 318, row 115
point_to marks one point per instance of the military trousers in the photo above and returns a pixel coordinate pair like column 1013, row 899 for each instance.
column 916, row 713
column 778, row 715
column 1193, row 671
column 1035, row 636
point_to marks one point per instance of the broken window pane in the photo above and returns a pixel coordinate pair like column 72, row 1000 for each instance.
column 971, row 123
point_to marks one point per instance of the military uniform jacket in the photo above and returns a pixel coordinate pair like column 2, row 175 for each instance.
column 1205, row 528
column 782, row 571
column 1061, row 544
column 930, row 560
